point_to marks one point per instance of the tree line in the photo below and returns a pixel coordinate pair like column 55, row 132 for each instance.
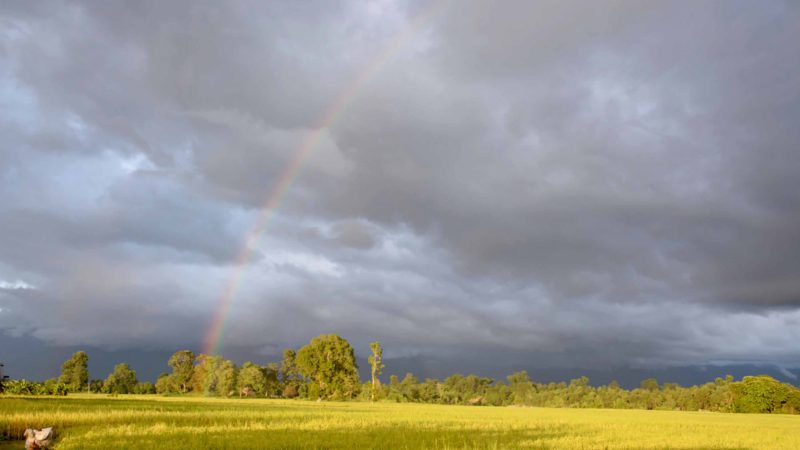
column 75, row 378
column 326, row 369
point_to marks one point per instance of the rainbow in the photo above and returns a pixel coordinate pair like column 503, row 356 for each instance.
column 216, row 331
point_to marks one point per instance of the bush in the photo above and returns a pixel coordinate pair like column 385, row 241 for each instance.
column 25, row 387
column 290, row 391
column 144, row 388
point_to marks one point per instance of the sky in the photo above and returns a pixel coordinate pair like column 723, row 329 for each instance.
column 544, row 185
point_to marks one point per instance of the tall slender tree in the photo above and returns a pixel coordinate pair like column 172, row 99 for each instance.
column 289, row 373
column 376, row 361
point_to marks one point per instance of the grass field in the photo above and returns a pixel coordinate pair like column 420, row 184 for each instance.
column 99, row 422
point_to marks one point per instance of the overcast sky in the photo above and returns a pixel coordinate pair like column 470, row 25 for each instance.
column 540, row 183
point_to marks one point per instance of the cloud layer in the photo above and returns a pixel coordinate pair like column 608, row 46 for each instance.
column 562, row 185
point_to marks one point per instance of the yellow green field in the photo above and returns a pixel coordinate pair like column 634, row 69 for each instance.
column 99, row 422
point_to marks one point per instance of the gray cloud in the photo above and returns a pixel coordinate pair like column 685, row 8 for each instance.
column 573, row 186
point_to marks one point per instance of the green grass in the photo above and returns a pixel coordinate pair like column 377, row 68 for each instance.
column 99, row 422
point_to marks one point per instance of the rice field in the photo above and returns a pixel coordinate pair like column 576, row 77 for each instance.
column 129, row 422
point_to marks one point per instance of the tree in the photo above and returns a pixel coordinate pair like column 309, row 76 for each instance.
column 122, row 380
column 273, row 385
column 451, row 392
column 164, row 384
column 649, row 384
column 226, row 377
column 252, row 376
column 200, row 373
column 289, row 373
column 409, row 387
column 182, row 363
column 521, row 387
column 214, row 375
column 394, row 389
column 96, row 385
column 75, row 371
column 764, row 394
column 288, row 365
column 429, row 391
column 329, row 362
column 376, row 361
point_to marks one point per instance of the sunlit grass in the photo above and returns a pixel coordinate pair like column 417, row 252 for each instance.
column 99, row 422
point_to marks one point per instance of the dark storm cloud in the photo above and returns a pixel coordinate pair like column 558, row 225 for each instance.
column 560, row 184
column 604, row 160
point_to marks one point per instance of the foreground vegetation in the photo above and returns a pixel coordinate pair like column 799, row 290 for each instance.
column 86, row 421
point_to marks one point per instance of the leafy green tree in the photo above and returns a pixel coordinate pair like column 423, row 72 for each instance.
column 394, row 392
column 289, row 374
column 252, row 376
column 182, row 364
column 764, row 394
column 214, row 375
column 329, row 362
column 122, row 380
column 226, row 377
column 164, row 384
column 649, row 384
column 521, row 387
column 451, row 394
column 96, row 385
column 580, row 382
column 429, row 391
column 410, row 387
column 200, row 373
column 498, row 395
column 273, row 385
column 75, row 372
column 376, row 363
